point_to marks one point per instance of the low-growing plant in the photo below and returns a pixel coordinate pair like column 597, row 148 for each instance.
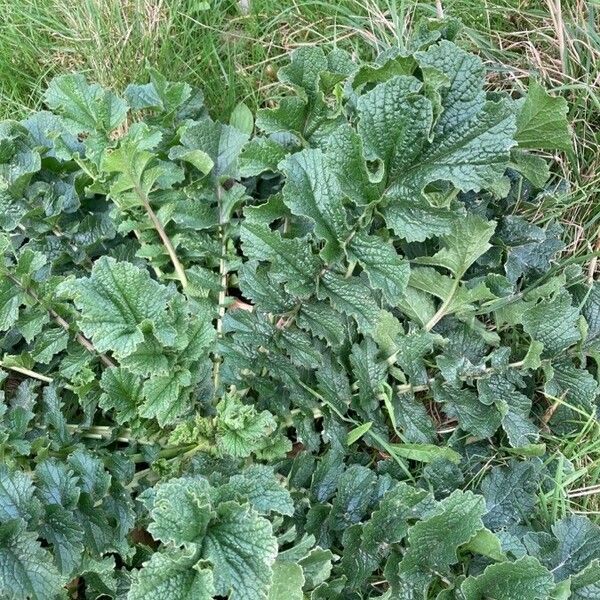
column 315, row 362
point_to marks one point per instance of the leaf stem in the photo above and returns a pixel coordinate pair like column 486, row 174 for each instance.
column 27, row 372
column 179, row 270
column 441, row 311
column 60, row 321
column 222, row 287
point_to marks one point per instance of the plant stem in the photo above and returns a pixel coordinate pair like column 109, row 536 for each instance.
column 441, row 311
column 60, row 321
column 28, row 372
column 223, row 286
column 179, row 270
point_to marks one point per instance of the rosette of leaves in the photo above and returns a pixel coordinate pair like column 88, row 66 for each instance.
column 317, row 362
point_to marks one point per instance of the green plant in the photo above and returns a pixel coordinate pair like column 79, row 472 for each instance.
column 315, row 362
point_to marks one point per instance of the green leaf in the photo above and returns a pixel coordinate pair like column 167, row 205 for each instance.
column 122, row 393
column 524, row 579
column 26, row 569
column 394, row 123
column 542, row 121
column 221, row 143
column 176, row 575
column 49, row 343
column 242, row 549
column 293, row 260
column 425, row 452
column 473, row 416
column 288, row 580
column 241, row 429
column 10, row 300
column 181, row 511
column 166, row 396
column 116, row 301
column 62, row 530
column 553, row 323
column 389, row 524
column 433, row 542
column 370, row 372
column 468, row 240
column 242, row 118
column 354, row 495
column 259, row 486
column 259, row 155
column 355, row 434
column 87, row 107
column 386, row 269
column 585, row 585
column 484, row 542
column 199, row 159
column 514, row 407
column 510, row 493
column 578, row 545
column 304, row 70
column 352, row 297
column 313, row 192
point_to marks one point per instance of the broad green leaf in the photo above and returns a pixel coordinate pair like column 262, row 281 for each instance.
column 433, row 542
column 585, row 585
column 345, row 156
column 386, row 269
column 354, row 495
column 484, row 542
column 26, row 569
column 222, row 143
column 166, row 396
column 462, row 92
column 389, row 524
column 542, row 121
column 16, row 495
column 510, row 493
column 288, row 580
column 259, row 155
column 49, row 343
column 479, row 419
column 242, row 549
column 514, row 407
column 259, row 486
column 352, row 297
column 62, row 530
column 553, row 323
column 173, row 575
column 304, row 70
column 181, row 511
column 242, row 118
column 10, row 300
column 292, row 258
column 87, row 107
column 116, row 301
column 468, row 240
column 524, row 579
column 159, row 94
column 578, row 545
column 394, row 123
column 199, row 159
column 370, row 372
column 312, row 191
column 241, row 429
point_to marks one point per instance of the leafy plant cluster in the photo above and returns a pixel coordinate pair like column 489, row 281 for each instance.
column 310, row 355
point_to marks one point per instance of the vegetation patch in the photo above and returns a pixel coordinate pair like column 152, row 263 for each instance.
column 312, row 354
